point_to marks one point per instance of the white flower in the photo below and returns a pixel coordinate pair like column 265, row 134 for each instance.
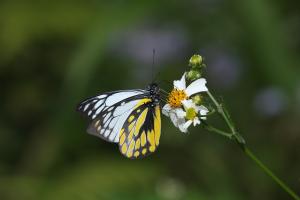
column 191, row 114
column 177, row 115
column 194, row 88
column 180, row 94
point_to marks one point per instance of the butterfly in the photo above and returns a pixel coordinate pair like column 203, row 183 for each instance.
column 130, row 118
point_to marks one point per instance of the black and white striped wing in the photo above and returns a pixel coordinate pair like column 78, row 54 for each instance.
column 108, row 112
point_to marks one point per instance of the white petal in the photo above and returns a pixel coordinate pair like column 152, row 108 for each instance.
column 196, row 121
column 196, row 87
column 180, row 121
column 182, row 127
column 166, row 109
column 180, row 113
column 200, row 109
column 174, row 119
column 197, row 109
column 180, row 84
column 187, row 124
column 203, row 111
column 187, row 103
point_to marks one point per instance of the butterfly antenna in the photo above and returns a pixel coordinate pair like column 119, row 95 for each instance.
column 154, row 78
column 165, row 82
column 153, row 59
column 153, row 64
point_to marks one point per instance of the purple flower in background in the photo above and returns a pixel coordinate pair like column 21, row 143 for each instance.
column 139, row 43
column 270, row 102
column 224, row 69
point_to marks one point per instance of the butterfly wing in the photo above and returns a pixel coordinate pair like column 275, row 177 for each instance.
column 141, row 131
column 108, row 112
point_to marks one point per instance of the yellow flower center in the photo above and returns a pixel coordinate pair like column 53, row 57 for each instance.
column 190, row 114
column 175, row 97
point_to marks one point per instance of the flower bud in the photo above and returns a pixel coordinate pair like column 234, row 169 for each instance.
column 196, row 61
column 193, row 75
column 197, row 99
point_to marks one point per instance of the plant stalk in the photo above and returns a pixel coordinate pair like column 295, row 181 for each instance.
column 242, row 144
column 271, row 174
column 216, row 130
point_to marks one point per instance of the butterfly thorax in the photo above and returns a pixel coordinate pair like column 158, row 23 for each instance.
column 154, row 93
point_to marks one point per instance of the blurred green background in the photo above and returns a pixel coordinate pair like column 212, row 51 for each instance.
column 54, row 54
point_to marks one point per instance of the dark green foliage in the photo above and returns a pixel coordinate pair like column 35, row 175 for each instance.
column 54, row 54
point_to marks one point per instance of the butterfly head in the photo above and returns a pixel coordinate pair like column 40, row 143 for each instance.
column 154, row 92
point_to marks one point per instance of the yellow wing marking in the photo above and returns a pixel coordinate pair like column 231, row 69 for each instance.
column 130, row 136
column 142, row 101
column 129, row 154
column 130, row 126
column 135, row 126
column 137, row 144
column 157, row 125
column 144, row 151
column 131, row 118
column 124, row 148
column 122, row 137
column 143, row 138
column 136, row 154
column 140, row 121
column 152, row 148
column 130, row 149
column 151, row 139
column 131, row 146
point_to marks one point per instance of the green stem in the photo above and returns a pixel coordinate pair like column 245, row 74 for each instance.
column 238, row 138
column 221, row 111
column 271, row 174
column 241, row 142
column 216, row 130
